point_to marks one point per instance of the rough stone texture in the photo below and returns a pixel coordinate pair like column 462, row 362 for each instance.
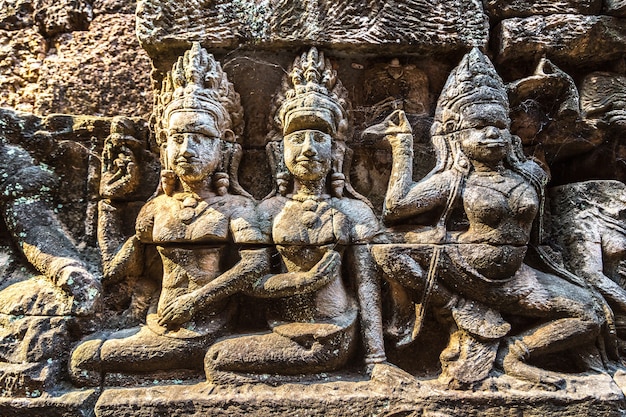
column 615, row 7
column 54, row 17
column 62, row 404
column 21, row 56
column 108, row 74
column 79, row 56
column 568, row 38
column 113, row 6
column 51, row 63
column 503, row 9
column 593, row 396
column 414, row 25
column 16, row 14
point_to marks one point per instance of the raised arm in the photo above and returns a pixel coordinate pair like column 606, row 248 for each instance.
column 405, row 198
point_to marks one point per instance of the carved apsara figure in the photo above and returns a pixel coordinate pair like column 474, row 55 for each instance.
column 477, row 207
column 319, row 226
column 43, row 306
column 198, row 220
column 589, row 224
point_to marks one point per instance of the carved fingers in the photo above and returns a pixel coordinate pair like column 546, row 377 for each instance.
column 293, row 283
column 395, row 128
column 120, row 175
column 179, row 311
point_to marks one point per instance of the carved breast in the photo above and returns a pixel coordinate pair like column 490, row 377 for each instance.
column 500, row 208
column 310, row 223
column 176, row 222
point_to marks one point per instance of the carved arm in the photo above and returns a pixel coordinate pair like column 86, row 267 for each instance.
column 253, row 265
column 293, row 283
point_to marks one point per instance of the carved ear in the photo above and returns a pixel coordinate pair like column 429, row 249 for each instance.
column 229, row 136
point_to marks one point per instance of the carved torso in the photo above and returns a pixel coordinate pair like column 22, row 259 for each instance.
column 500, row 208
column 192, row 237
column 303, row 232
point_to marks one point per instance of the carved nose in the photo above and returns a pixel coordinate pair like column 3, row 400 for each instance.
column 186, row 148
column 307, row 148
column 492, row 132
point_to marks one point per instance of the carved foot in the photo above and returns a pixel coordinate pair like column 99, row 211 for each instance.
column 514, row 364
column 84, row 366
column 389, row 374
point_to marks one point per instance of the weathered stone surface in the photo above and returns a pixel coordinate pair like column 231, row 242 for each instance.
column 16, row 14
column 414, row 25
column 21, row 56
column 113, row 6
column 516, row 335
column 566, row 38
column 76, row 403
column 53, row 17
column 49, row 17
column 503, row 9
column 603, row 99
column 592, row 396
column 615, row 7
column 88, row 72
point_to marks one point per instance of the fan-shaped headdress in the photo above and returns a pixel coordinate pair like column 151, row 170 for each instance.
column 471, row 85
column 197, row 84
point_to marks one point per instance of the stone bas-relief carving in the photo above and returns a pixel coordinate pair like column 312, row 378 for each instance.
column 444, row 300
column 38, row 314
column 314, row 219
column 199, row 209
column 478, row 205
column 588, row 224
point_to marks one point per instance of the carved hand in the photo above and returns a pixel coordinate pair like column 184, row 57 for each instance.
column 120, row 175
column 179, row 311
column 292, row 283
column 394, row 128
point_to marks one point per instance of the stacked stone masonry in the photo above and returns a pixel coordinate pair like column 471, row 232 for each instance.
column 314, row 207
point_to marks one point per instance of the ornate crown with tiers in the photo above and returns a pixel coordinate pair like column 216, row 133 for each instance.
column 197, row 83
column 313, row 98
column 471, row 85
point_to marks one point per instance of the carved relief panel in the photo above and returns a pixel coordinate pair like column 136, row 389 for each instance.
column 339, row 207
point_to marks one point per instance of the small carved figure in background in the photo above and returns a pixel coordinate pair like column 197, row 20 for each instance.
column 478, row 206
column 319, row 224
column 200, row 212
column 36, row 314
column 589, row 224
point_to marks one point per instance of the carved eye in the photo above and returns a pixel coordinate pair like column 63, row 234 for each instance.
column 320, row 137
column 178, row 139
column 297, row 137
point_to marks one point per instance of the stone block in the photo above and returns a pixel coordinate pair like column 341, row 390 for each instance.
column 410, row 25
column 564, row 38
column 504, row 9
column 100, row 72
column 590, row 396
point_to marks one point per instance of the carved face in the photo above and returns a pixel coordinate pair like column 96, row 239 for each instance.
column 484, row 135
column 193, row 145
column 308, row 154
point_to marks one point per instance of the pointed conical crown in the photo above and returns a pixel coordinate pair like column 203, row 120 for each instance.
column 473, row 82
column 313, row 98
column 197, row 83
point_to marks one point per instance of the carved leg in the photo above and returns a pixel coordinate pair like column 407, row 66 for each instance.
column 135, row 350
column 575, row 319
column 402, row 268
column 272, row 353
